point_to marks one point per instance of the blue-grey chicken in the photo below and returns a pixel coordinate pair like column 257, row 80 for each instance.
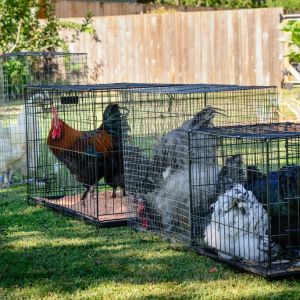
column 171, row 151
column 163, row 186
column 171, row 174
column 232, row 173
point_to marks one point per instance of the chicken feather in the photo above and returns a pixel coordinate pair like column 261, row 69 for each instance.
column 88, row 154
column 239, row 227
column 14, row 146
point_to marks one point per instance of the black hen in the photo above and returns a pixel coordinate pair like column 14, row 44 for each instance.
column 281, row 190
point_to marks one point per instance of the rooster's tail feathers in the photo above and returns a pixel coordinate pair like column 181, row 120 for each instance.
column 114, row 120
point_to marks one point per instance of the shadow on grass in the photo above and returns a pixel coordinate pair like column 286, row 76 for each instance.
column 40, row 247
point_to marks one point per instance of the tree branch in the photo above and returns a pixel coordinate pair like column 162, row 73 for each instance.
column 18, row 37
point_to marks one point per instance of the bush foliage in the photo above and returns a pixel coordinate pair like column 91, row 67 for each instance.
column 20, row 28
column 293, row 28
column 286, row 4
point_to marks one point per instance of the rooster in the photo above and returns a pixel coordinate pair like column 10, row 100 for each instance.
column 90, row 155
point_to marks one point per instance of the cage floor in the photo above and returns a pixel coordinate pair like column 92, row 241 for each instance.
column 107, row 208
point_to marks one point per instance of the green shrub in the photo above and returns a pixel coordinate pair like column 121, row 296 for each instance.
column 286, row 4
column 20, row 28
column 293, row 27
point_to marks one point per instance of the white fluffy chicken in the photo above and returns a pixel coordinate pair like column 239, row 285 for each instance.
column 238, row 226
column 13, row 147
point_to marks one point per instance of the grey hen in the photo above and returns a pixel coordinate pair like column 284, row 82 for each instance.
column 171, row 152
column 172, row 175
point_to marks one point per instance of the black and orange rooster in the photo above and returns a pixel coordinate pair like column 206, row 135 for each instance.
column 90, row 155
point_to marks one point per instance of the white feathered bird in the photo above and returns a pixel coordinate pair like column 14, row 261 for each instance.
column 239, row 226
column 13, row 146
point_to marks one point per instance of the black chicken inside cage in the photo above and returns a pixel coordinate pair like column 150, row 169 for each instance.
column 17, row 70
column 156, row 150
column 74, row 146
column 245, row 196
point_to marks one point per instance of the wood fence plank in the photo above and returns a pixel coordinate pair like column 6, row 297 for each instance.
column 236, row 47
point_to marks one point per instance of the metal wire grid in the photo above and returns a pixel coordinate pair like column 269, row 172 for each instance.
column 155, row 202
column 24, row 68
column 82, row 107
column 17, row 70
column 242, row 104
column 248, row 213
column 52, row 183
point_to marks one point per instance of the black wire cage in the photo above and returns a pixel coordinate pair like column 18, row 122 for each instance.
column 17, row 70
column 74, row 146
column 156, row 151
column 244, row 196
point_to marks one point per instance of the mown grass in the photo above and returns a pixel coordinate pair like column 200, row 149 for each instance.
column 45, row 255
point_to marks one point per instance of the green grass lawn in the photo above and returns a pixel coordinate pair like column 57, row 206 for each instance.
column 44, row 255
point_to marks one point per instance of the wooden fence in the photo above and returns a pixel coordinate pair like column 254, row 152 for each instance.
column 234, row 47
column 79, row 8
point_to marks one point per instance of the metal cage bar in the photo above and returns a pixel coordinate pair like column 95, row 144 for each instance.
column 61, row 174
column 170, row 194
column 253, row 216
column 17, row 71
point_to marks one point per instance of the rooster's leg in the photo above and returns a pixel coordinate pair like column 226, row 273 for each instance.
column 114, row 194
column 92, row 193
column 85, row 194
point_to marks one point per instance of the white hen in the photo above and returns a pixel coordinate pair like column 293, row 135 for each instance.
column 13, row 141
column 238, row 226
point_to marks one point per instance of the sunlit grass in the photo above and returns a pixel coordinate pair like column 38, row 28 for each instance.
column 288, row 104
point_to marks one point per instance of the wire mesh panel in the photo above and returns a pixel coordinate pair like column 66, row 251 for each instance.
column 248, row 212
column 156, row 152
column 17, row 70
column 75, row 158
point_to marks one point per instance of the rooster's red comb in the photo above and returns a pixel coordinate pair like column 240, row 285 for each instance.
column 54, row 111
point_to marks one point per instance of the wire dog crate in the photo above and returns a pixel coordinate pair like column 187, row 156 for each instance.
column 78, row 171
column 17, row 70
column 250, row 215
column 156, row 152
